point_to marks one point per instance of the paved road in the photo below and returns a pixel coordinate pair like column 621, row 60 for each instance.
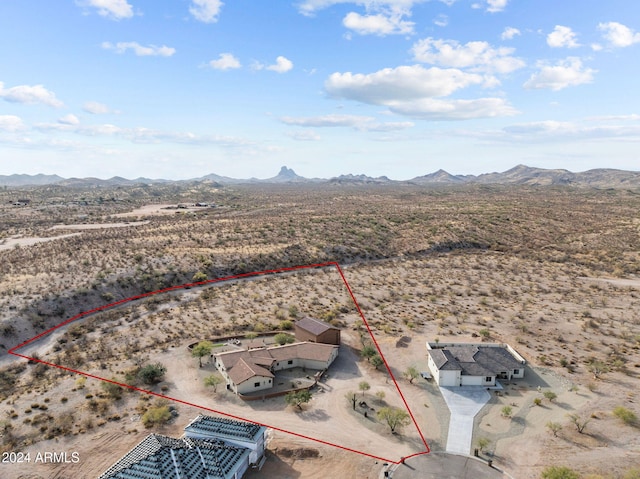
column 444, row 466
column 464, row 403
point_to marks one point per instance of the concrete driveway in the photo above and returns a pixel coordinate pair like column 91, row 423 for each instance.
column 464, row 403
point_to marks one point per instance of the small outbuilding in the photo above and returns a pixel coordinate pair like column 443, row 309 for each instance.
column 316, row 331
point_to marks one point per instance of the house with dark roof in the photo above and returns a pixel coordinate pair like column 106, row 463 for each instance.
column 212, row 448
column 238, row 433
column 251, row 370
column 316, row 331
column 468, row 364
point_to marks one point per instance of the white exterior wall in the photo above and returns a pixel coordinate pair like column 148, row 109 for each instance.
column 478, row 381
column 249, row 385
column 520, row 373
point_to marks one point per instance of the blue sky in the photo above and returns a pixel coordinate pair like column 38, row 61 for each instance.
column 182, row 88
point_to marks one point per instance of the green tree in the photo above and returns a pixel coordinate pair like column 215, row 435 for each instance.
column 597, row 368
column 559, row 472
column 579, row 422
column 550, row 395
column 293, row 311
column 411, row 373
column 507, row 411
column 368, row 352
column 284, row 338
column 377, row 361
column 554, row 427
column 156, row 415
column 364, row 386
column 298, row 398
column 212, row 381
column 380, row 395
column 394, row 417
column 203, row 348
column 152, row 373
column 625, row 415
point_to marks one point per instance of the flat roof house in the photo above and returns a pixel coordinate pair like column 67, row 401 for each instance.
column 212, row 448
column 316, row 331
column 467, row 364
column 253, row 370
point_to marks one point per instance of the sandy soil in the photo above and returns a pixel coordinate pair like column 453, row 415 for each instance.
column 16, row 241
column 546, row 313
column 155, row 210
column 98, row 226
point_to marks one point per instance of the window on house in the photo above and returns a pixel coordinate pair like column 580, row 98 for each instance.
column 488, row 379
column 516, row 371
column 256, row 385
column 290, row 361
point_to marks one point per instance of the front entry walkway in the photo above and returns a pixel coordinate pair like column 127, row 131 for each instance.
column 464, row 402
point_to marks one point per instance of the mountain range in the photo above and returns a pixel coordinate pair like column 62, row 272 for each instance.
column 519, row 175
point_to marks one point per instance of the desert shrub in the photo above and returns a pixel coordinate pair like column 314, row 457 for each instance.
column 283, row 338
column 156, row 416
column 559, row 472
column 114, row 391
column 152, row 373
column 625, row 415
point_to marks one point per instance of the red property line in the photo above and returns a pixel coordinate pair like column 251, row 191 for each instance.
column 218, row 280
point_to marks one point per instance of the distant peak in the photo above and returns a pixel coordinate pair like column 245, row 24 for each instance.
column 288, row 172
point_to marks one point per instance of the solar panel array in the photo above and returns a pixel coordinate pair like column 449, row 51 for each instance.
column 161, row 457
column 220, row 426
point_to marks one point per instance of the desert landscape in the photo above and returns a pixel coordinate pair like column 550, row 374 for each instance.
column 550, row 270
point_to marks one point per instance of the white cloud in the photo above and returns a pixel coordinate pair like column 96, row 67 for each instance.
column 404, row 82
column 140, row 50
column 226, row 61
column 479, row 56
column 309, row 7
column 282, row 65
column 145, row 135
column 114, row 9
column 413, row 91
column 441, row 20
column 30, row 95
column 96, row 108
column 332, row 120
column 69, row 119
column 567, row 72
column 378, row 24
column 387, row 126
column 618, row 35
column 596, row 47
column 509, row 33
column 11, row 123
column 496, row 5
column 358, row 122
column 437, row 109
column 562, row 36
column 206, row 11
column 303, row 135
column 552, row 130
